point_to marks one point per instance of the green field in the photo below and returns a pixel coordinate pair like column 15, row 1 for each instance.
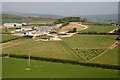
column 7, row 37
column 14, row 20
column 15, row 68
column 89, row 46
column 110, row 57
column 90, row 41
column 87, row 54
column 41, row 49
column 63, row 49
column 0, row 67
column 98, row 28
column 41, row 21
column 3, row 30
column 70, row 26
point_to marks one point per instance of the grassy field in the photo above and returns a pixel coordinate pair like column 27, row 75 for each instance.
column 15, row 68
column 62, row 49
column 41, row 49
column 6, row 37
column 89, row 46
column 0, row 67
column 110, row 57
column 90, row 41
column 8, row 30
column 98, row 28
column 71, row 26
column 41, row 21
column 14, row 20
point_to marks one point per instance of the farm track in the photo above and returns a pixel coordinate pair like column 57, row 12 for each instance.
column 114, row 45
column 113, row 30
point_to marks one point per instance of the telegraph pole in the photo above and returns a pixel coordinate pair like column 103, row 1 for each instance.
column 28, row 68
column 29, row 60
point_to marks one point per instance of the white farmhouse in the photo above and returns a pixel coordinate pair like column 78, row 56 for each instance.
column 10, row 25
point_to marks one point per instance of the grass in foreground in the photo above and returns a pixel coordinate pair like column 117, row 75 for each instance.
column 0, row 67
column 15, row 68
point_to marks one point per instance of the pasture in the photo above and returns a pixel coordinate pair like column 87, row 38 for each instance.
column 90, row 41
column 89, row 46
column 14, row 20
column 48, row 49
column 65, row 49
column 7, row 37
column 110, row 57
column 0, row 67
column 15, row 68
column 5, row 30
column 70, row 26
column 99, row 28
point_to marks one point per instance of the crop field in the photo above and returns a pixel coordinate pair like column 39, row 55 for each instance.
column 67, row 49
column 110, row 57
column 7, row 37
column 14, row 43
column 90, row 41
column 41, row 49
column 87, row 54
column 89, row 46
column 15, row 68
column 98, row 28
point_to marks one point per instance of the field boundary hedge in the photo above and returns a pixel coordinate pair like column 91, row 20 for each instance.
column 10, row 40
column 98, row 33
column 106, row 66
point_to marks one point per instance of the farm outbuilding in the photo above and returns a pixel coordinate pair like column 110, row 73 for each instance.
column 10, row 25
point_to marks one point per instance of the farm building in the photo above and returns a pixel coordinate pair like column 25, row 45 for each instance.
column 26, row 28
column 55, row 38
column 10, row 25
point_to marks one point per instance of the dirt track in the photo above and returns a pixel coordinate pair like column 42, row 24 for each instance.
column 114, row 45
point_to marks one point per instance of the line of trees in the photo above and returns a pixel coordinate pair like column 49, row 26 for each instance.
column 65, row 21
column 98, row 33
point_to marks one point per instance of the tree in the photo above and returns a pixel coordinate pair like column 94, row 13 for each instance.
column 74, row 29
